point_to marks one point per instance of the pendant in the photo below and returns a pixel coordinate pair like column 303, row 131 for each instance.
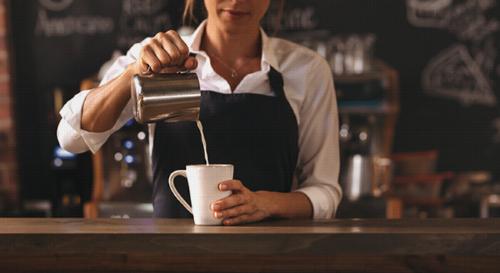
column 234, row 74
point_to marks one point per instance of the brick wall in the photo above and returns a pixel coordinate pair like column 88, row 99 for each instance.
column 8, row 185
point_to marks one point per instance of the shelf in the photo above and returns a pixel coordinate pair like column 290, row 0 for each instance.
column 366, row 107
column 358, row 78
column 379, row 72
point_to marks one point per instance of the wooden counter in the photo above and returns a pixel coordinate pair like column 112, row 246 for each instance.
column 146, row 245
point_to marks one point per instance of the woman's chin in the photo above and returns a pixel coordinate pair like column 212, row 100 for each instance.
column 238, row 26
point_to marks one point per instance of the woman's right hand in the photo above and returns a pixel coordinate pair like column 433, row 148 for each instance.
column 166, row 52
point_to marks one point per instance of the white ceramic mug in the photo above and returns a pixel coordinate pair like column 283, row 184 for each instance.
column 203, row 182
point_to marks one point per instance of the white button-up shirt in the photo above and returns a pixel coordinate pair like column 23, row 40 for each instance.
column 308, row 86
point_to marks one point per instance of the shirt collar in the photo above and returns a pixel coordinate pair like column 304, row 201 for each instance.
column 268, row 56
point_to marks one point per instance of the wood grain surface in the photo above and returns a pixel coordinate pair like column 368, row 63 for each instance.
column 150, row 245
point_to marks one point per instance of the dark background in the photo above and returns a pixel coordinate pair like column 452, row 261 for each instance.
column 47, row 58
column 59, row 53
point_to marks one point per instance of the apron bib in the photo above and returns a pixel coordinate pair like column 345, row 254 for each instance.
column 257, row 134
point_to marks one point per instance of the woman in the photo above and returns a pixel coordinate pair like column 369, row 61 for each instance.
column 270, row 110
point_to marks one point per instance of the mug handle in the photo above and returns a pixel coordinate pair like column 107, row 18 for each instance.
column 171, row 183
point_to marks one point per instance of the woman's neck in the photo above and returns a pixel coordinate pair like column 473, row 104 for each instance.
column 232, row 46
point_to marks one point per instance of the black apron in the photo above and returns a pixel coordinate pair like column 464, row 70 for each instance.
column 258, row 134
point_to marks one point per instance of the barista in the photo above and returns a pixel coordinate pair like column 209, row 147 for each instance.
column 269, row 109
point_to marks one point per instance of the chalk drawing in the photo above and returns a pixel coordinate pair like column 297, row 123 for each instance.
column 55, row 5
column 486, row 55
column 468, row 21
column 454, row 74
column 462, row 71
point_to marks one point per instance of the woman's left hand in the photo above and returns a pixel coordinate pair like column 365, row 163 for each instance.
column 242, row 206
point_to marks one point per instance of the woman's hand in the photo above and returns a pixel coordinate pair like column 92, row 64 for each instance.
column 243, row 206
column 166, row 52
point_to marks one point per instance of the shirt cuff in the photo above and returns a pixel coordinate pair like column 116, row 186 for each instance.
column 324, row 207
column 71, row 113
column 95, row 140
column 69, row 139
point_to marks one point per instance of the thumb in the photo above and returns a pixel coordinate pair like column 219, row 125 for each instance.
column 190, row 63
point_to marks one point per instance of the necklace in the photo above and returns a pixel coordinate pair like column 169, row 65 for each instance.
column 234, row 71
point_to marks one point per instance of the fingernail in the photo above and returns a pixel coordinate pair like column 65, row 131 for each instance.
column 218, row 215
column 227, row 222
column 222, row 187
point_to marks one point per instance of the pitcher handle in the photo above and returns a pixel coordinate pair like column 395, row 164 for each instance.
column 171, row 183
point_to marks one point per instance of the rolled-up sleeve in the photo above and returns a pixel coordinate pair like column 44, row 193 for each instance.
column 69, row 132
column 319, row 159
column 73, row 138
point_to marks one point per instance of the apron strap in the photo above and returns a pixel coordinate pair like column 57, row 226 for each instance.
column 276, row 82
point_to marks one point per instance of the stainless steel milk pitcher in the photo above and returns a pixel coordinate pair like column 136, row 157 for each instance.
column 166, row 97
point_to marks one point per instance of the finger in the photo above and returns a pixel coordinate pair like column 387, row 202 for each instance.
column 179, row 43
column 235, row 211
column 190, row 64
column 243, row 219
column 160, row 53
column 230, row 202
column 144, row 68
column 177, row 58
column 149, row 57
column 231, row 185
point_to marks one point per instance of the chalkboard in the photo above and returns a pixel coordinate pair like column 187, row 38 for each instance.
column 72, row 38
column 58, row 43
column 446, row 52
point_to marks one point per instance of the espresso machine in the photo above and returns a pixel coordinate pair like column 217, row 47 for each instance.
column 368, row 109
column 367, row 92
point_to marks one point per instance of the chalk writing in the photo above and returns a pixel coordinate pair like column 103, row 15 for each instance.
column 141, row 18
column 294, row 19
column 427, row 13
column 70, row 25
column 142, row 7
column 56, row 5
column 466, row 19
